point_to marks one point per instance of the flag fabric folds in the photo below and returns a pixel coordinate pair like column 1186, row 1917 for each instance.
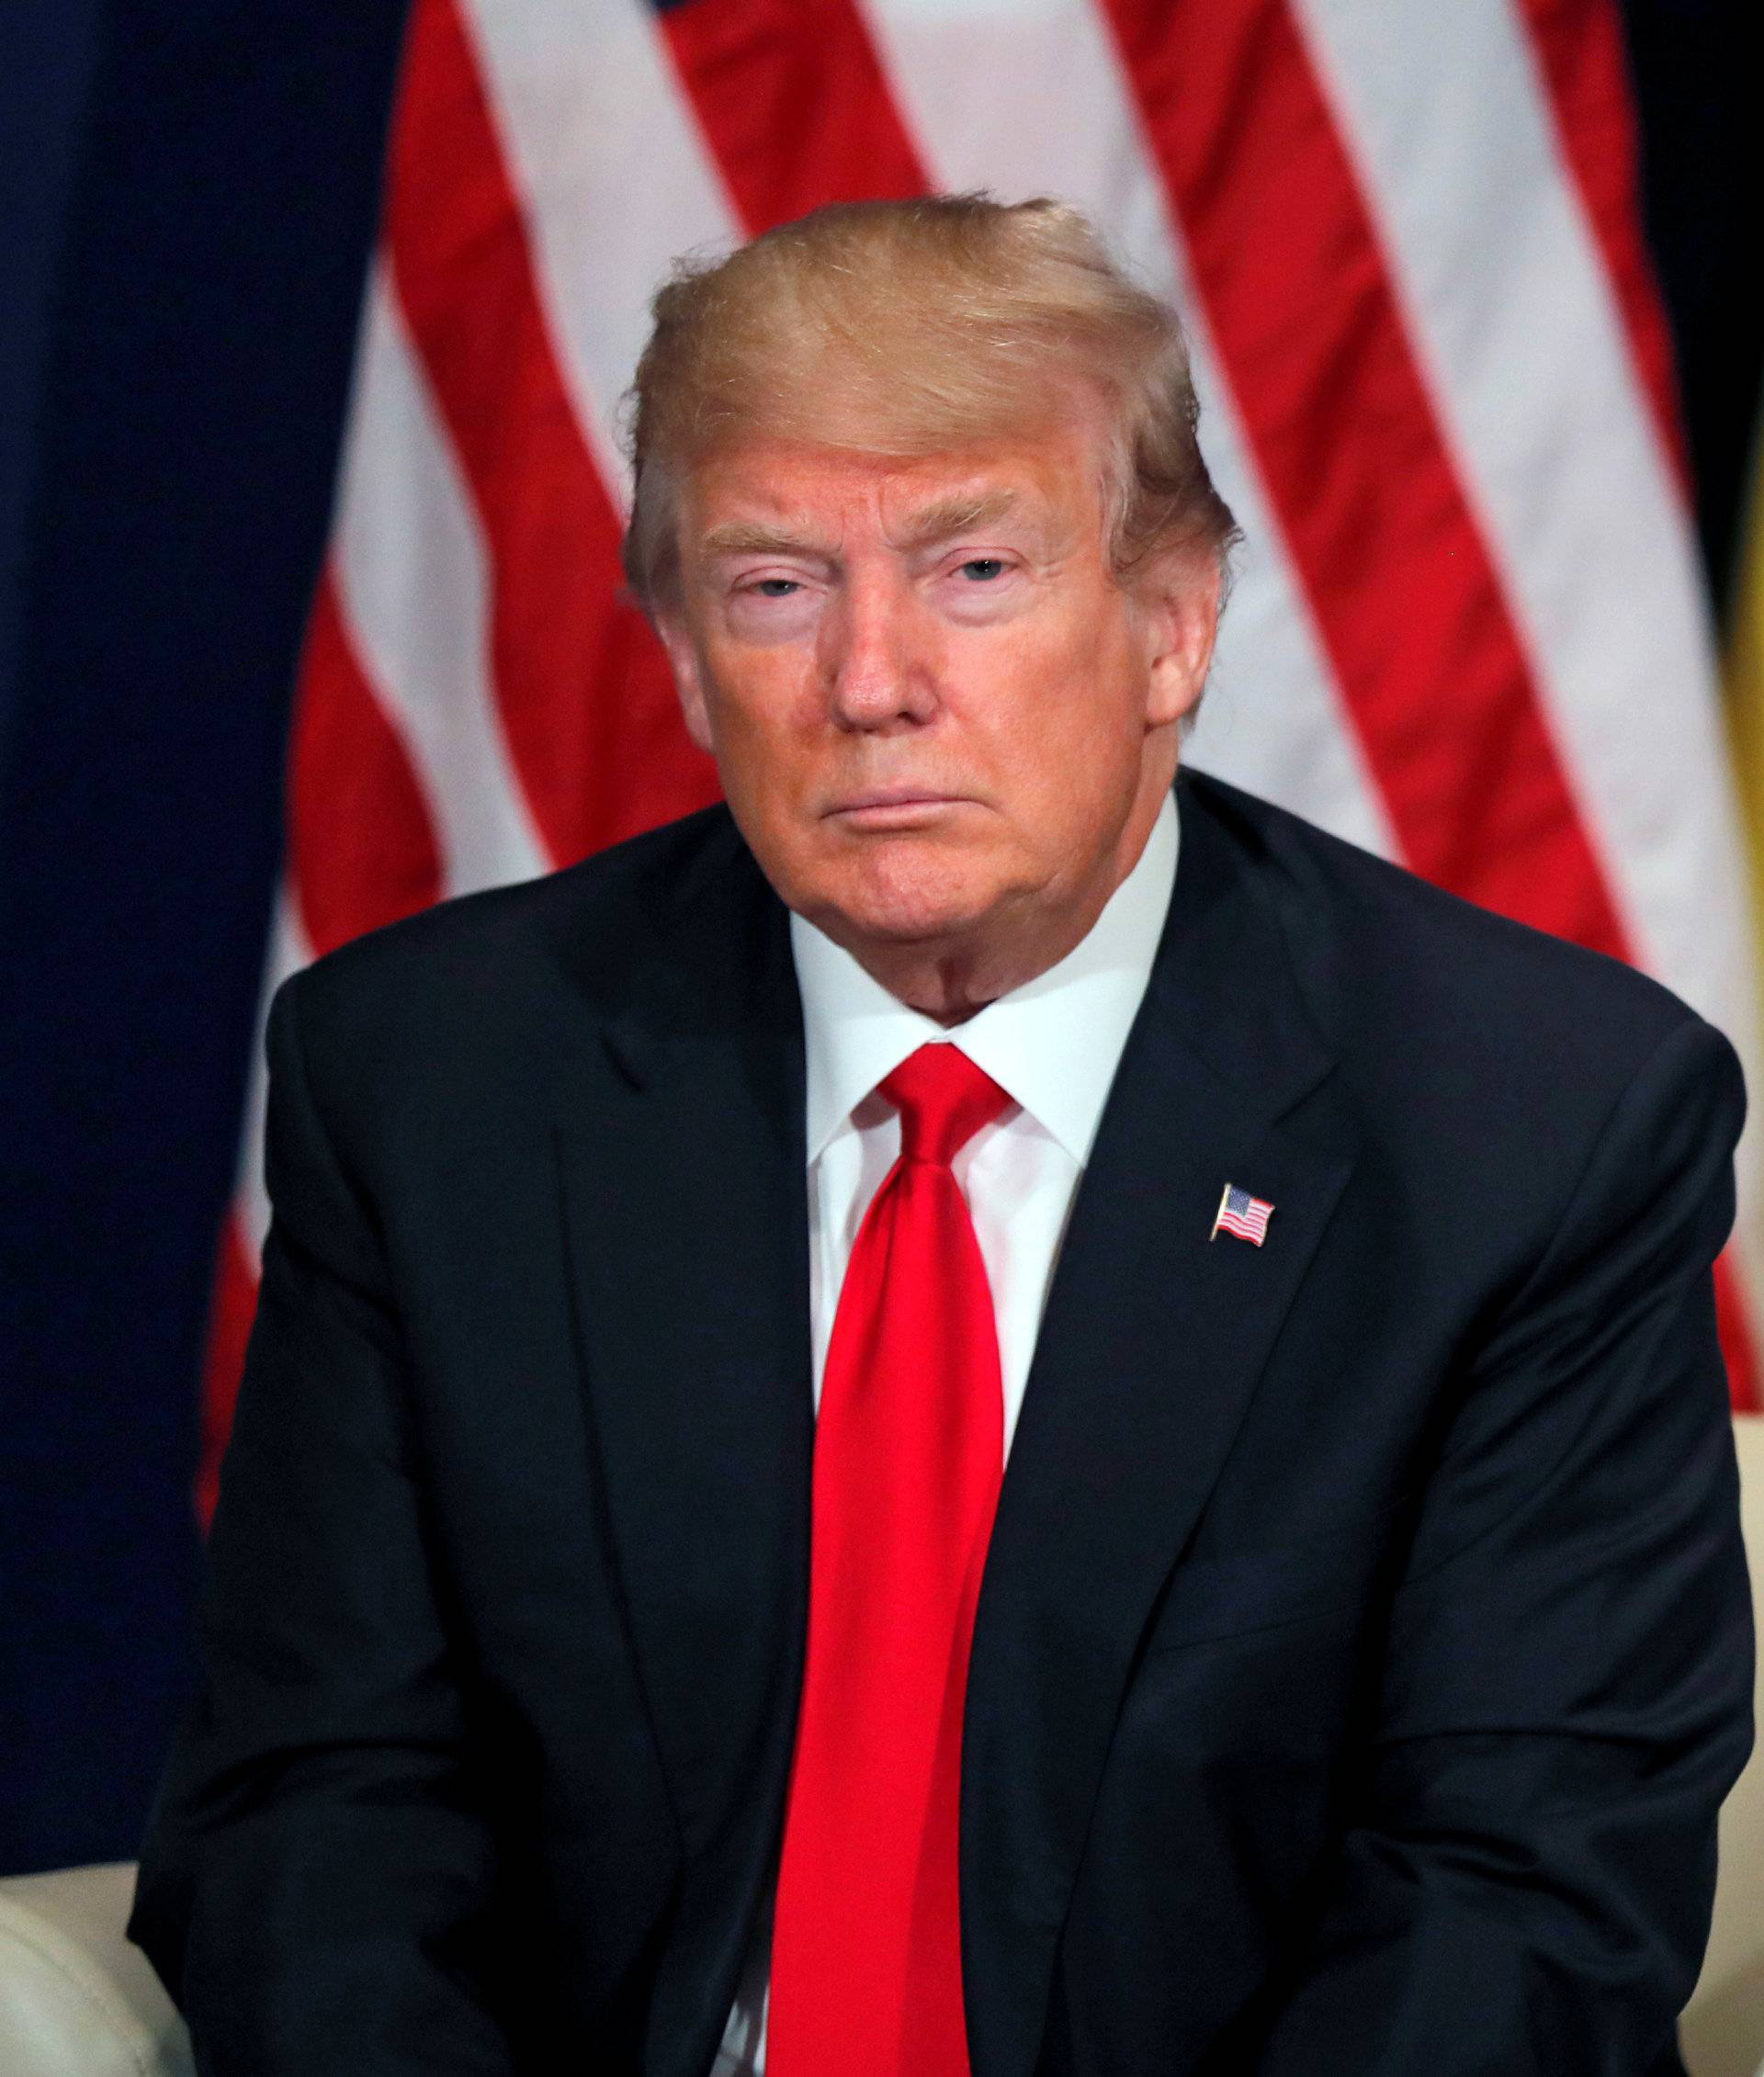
column 1468, row 630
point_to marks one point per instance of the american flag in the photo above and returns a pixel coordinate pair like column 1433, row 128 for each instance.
column 1243, row 1214
column 1469, row 629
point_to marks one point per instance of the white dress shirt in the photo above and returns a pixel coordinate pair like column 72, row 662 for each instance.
column 1052, row 1044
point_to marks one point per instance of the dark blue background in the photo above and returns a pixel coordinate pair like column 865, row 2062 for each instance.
column 189, row 194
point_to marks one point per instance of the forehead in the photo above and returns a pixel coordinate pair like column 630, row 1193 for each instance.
column 1046, row 479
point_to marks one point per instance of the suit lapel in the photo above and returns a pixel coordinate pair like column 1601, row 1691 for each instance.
column 684, row 1192
column 1151, row 1345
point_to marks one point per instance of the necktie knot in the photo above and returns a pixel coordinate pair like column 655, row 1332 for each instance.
column 944, row 1099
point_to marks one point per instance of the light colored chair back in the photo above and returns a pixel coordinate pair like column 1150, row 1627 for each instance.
column 1724, row 2025
column 76, row 2000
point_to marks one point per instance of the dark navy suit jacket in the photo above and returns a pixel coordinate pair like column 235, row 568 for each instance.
column 1363, row 1647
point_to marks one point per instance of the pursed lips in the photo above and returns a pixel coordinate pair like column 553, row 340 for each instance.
column 881, row 802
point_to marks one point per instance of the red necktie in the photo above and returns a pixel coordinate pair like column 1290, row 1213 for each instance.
column 867, row 1958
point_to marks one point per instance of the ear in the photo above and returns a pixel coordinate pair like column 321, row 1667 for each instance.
column 688, row 680
column 1179, row 605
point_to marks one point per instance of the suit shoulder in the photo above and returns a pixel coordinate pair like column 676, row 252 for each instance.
column 1388, row 957
column 595, row 917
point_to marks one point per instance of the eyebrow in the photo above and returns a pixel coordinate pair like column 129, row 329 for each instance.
column 748, row 536
column 955, row 515
column 931, row 523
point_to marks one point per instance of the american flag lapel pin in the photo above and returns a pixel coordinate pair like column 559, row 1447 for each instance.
column 1243, row 1214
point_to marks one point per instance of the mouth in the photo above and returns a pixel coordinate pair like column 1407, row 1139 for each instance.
column 893, row 806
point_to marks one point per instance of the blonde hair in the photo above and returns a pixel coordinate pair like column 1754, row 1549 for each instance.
column 902, row 329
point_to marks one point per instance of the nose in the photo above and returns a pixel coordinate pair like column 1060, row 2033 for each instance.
column 876, row 660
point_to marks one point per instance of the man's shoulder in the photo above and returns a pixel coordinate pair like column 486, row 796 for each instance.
column 1398, row 970
column 589, row 923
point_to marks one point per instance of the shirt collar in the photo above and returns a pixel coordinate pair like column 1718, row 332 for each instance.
column 1054, row 1044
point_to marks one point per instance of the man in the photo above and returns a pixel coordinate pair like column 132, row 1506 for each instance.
column 993, row 1411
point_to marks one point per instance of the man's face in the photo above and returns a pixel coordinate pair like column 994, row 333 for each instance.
column 935, row 713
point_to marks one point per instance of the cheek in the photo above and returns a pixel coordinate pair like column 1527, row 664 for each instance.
column 761, row 708
column 1067, row 718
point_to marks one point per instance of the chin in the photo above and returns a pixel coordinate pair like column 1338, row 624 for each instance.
column 899, row 896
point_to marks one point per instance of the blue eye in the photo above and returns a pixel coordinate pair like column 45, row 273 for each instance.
column 775, row 587
column 982, row 569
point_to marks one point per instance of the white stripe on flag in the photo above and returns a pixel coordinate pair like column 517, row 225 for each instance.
column 602, row 146
column 411, row 584
column 1519, row 332
column 288, row 953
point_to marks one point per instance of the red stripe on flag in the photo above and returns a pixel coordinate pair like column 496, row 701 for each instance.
column 792, row 98
column 362, row 849
column 232, row 1307
column 1580, row 52
column 583, row 690
column 1739, row 1345
column 1289, row 267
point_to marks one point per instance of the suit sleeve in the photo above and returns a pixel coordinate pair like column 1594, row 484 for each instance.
column 317, row 1888
column 1527, row 1876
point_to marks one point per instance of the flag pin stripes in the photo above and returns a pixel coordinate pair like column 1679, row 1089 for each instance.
column 1241, row 1214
